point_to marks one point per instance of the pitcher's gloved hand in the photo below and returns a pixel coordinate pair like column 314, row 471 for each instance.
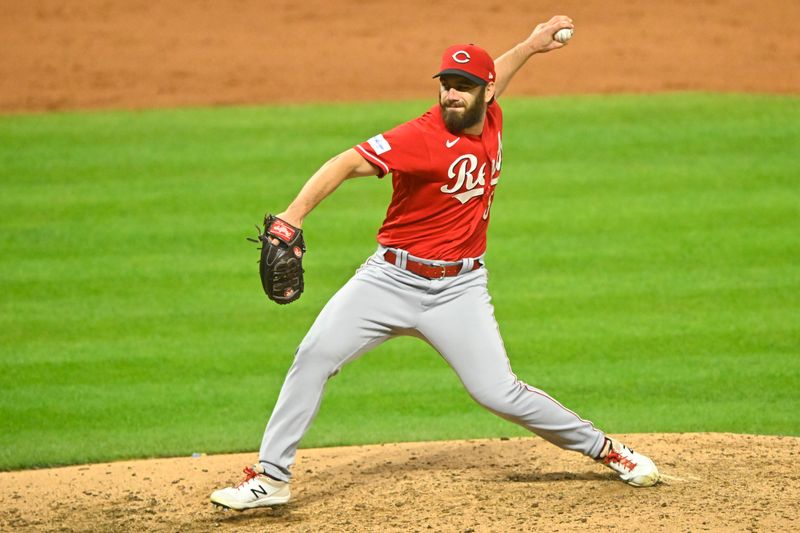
column 281, row 263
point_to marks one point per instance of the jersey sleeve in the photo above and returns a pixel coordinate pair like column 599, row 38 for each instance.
column 496, row 112
column 401, row 149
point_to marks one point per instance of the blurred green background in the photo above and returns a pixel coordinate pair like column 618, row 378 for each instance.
column 644, row 260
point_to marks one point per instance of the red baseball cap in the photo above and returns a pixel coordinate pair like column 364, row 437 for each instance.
column 468, row 60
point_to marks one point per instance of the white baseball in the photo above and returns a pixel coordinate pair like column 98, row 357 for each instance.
column 563, row 35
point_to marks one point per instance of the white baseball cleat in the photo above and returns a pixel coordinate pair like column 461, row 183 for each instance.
column 257, row 490
column 633, row 468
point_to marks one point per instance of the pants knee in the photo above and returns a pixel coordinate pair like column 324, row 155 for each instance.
column 497, row 399
column 317, row 358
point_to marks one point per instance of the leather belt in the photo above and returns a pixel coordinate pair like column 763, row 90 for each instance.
column 429, row 271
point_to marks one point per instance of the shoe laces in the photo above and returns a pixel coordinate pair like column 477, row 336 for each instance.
column 249, row 474
column 620, row 457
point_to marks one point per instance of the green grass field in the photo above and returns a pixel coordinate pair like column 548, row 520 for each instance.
column 644, row 260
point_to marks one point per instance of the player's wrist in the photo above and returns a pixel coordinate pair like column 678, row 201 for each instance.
column 526, row 49
column 291, row 218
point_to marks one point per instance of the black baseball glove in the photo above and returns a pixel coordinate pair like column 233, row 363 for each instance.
column 281, row 263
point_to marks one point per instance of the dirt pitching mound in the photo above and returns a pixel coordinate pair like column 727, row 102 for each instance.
column 711, row 482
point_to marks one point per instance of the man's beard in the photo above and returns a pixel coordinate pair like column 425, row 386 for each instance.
column 457, row 121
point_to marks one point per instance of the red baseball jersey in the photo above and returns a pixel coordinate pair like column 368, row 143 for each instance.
column 443, row 184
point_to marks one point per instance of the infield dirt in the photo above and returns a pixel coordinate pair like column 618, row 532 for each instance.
column 60, row 55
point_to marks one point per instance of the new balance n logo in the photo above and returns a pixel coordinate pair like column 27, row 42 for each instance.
column 256, row 492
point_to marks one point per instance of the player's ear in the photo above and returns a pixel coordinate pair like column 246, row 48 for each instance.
column 489, row 94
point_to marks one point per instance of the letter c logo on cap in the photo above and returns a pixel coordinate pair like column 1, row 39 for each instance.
column 461, row 57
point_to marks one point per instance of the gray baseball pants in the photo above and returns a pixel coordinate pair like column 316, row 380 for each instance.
column 454, row 315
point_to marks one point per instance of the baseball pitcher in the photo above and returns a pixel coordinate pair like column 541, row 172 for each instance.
column 427, row 277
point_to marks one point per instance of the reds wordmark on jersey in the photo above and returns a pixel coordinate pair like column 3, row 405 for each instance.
column 443, row 184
